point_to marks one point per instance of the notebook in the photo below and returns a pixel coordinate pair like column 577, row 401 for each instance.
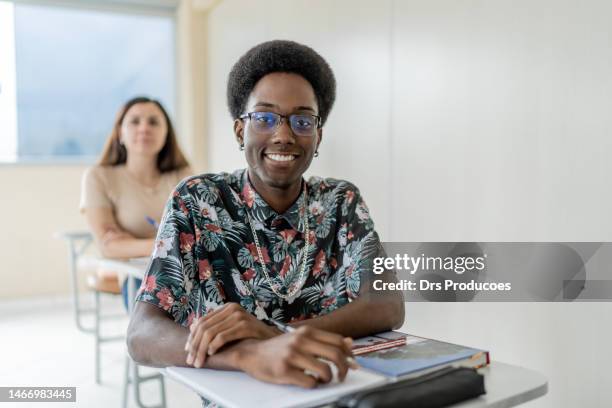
column 420, row 355
column 379, row 341
column 234, row 389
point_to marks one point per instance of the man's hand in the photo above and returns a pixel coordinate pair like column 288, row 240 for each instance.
column 295, row 357
column 224, row 325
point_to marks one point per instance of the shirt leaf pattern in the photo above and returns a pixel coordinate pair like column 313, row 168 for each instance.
column 205, row 253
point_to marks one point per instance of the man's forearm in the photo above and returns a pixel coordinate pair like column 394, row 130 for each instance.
column 368, row 314
column 160, row 342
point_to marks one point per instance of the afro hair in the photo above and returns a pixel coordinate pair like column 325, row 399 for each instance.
column 280, row 56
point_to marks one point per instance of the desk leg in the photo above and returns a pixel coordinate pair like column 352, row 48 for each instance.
column 97, row 336
column 131, row 293
column 126, row 382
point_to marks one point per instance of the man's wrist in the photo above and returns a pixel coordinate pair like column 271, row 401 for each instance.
column 242, row 352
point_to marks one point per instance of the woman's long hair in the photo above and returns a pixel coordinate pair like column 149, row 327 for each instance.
column 169, row 158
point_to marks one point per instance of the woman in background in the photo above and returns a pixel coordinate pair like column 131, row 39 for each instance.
column 123, row 196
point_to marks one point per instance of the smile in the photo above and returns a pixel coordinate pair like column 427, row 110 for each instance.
column 280, row 157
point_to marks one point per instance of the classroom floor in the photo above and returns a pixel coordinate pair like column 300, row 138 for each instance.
column 41, row 346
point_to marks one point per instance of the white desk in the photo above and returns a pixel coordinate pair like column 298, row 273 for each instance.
column 132, row 268
column 506, row 385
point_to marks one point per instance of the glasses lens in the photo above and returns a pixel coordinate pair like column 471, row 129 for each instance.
column 303, row 125
column 264, row 122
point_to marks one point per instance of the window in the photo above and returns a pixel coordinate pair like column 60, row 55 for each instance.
column 69, row 70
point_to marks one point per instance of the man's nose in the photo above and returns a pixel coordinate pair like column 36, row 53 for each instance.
column 284, row 134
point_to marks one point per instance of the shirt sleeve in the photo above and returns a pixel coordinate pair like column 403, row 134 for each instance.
column 359, row 243
column 168, row 281
column 94, row 192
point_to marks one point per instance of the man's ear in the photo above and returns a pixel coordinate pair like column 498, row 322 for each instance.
column 239, row 131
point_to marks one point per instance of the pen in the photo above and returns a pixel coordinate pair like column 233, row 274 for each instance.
column 151, row 221
column 285, row 328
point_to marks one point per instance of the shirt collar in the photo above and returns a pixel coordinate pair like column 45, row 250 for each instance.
column 260, row 210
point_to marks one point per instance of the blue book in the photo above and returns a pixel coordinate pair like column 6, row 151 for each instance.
column 420, row 355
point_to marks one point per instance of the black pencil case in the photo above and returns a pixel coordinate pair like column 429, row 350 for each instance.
column 436, row 389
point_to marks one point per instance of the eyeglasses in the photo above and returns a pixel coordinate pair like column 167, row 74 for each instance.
column 267, row 123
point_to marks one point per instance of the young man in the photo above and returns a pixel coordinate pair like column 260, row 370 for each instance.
column 236, row 250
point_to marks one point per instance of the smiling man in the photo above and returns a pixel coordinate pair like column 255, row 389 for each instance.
column 238, row 250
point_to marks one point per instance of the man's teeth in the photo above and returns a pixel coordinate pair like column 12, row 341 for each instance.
column 280, row 157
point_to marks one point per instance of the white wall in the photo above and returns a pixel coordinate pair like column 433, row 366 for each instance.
column 462, row 121
column 501, row 120
column 35, row 203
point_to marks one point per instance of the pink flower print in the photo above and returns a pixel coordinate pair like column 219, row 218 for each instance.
column 248, row 274
column 204, row 269
column 349, row 196
column 248, row 195
column 183, row 207
column 288, row 235
column 193, row 182
column 286, row 265
column 187, row 241
column 149, row 284
column 213, row 228
column 221, row 291
column 319, row 263
column 333, row 262
column 165, row 298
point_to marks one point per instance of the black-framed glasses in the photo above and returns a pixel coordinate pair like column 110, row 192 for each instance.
column 267, row 123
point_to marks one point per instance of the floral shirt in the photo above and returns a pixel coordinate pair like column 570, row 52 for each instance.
column 206, row 255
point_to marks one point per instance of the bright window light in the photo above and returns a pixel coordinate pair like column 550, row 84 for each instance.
column 66, row 71
column 8, row 94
